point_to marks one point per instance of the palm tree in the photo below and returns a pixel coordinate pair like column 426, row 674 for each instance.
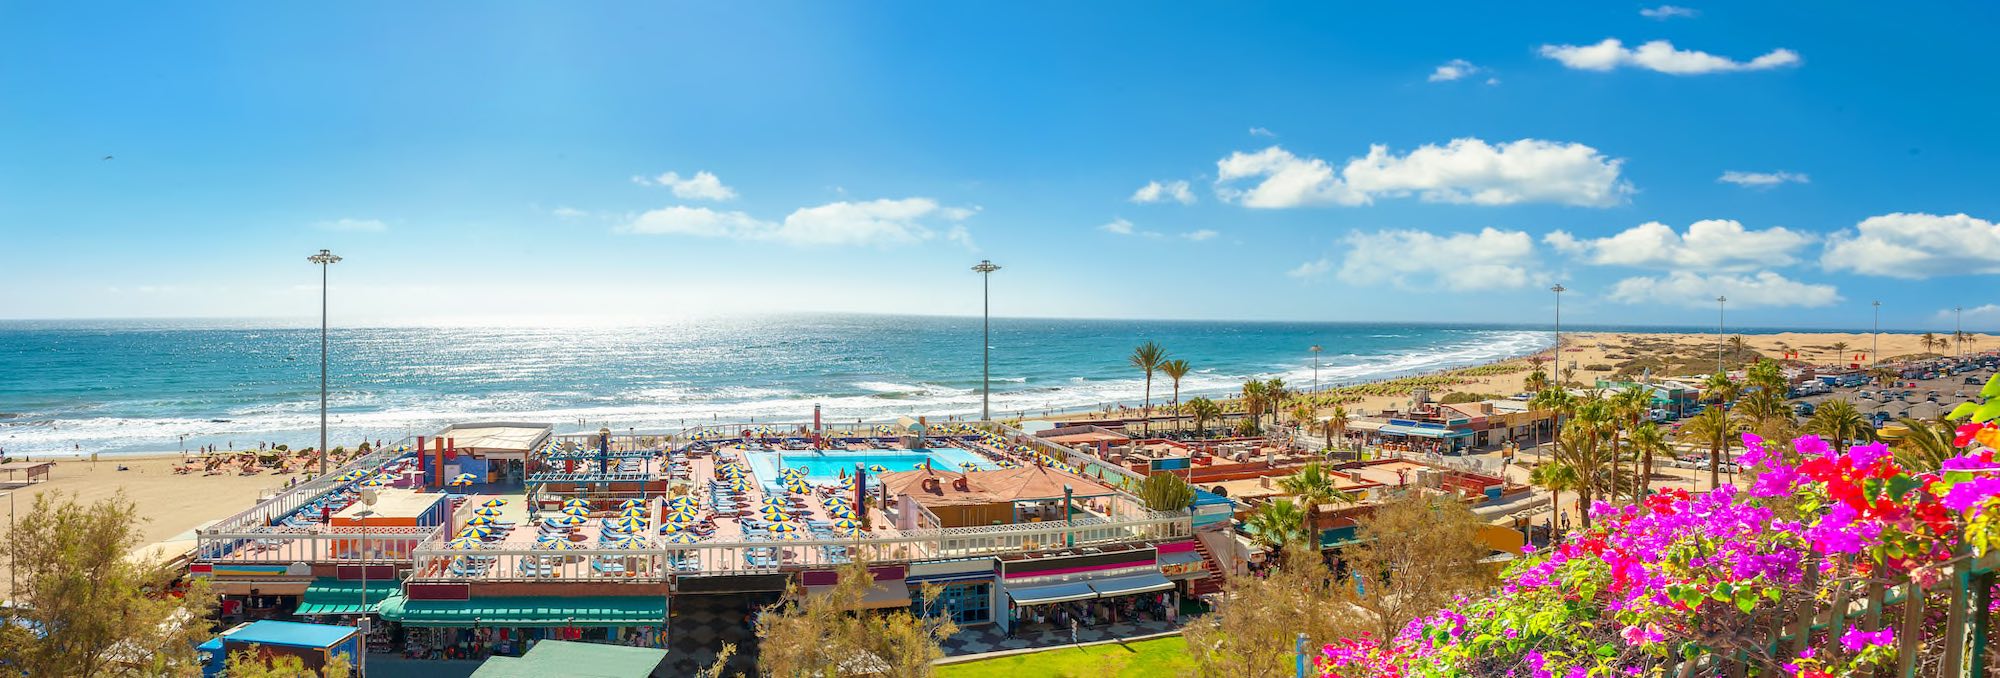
column 1767, row 413
column 1713, row 428
column 1278, row 523
column 1554, row 400
column 1255, row 396
column 1766, row 375
column 1555, row 477
column 1302, row 414
column 1312, row 485
column 1147, row 357
column 1336, row 424
column 1202, row 409
column 1926, row 446
column 1719, row 389
column 1537, row 381
column 1578, row 448
column 1840, row 350
column 1274, row 389
column 1839, row 421
column 1646, row 439
column 1175, row 369
column 1736, row 345
column 1928, row 339
column 1597, row 420
column 1628, row 407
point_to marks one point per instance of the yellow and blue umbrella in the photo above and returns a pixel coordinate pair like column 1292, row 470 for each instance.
column 878, row 468
column 777, row 515
column 631, row 503
column 481, row 520
column 634, row 512
column 840, row 512
column 781, row 527
column 625, row 524
column 563, row 520
column 464, row 544
column 847, row 531
column 486, row 511
column 682, row 501
column 476, row 531
column 462, row 480
column 798, row 487
column 774, row 501
column 671, row 528
column 629, row 544
column 845, row 524
column 575, row 511
column 558, row 545
column 786, row 536
column 575, row 503
column 493, row 503
column 377, row 481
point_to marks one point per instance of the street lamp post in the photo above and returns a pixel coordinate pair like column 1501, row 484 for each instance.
column 1559, row 290
column 326, row 259
column 1720, row 306
column 1958, row 332
column 1875, row 352
column 1315, row 351
column 985, row 270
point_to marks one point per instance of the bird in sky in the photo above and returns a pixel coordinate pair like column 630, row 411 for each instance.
column 107, row 157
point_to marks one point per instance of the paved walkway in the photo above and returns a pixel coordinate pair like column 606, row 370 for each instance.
column 988, row 638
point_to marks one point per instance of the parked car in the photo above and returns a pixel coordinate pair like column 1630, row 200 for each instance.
column 1802, row 409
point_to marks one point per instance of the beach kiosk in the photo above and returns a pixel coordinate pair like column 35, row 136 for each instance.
column 314, row 644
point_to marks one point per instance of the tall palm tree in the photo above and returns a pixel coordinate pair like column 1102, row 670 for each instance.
column 1926, row 446
column 1840, row 350
column 1255, row 396
column 1302, row 414
column 1767, row 414
column 1202, row 409
column 1597, row 420
column 1840, row 422
column 1537, row 381
column 1147, row 357
column 1927, row 340
column 1336, row 424
column 1579, row 448
column 1555, row 477
column 1175, row 369
column 1629, row 407
column 1278, row 523
column 1714, row 429
column 1645, row 440
column 1766, row 375
column 1275, row 391
column 1720, row 389
column 1555, row 400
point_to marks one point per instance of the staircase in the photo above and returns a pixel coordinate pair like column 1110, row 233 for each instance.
column 1216, row 574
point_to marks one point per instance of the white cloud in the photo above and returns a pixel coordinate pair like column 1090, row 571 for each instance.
column 1459, row 261
column 1154, row 191
column 1665, row 12
column 1200, row 234
column 356, row 225
column 702, row 186
column 1122, row 226
column 1708, row 245
column 874, row 222
column 1463, row 171
column 1117, row 226
column 1983, row 315
column 1261, row 132
column 1762, row 179
column 1312, row 269
column 1453, row 70
column 1916, row 246
column 569, row 213
column 1660, row 55
column 1694, row 290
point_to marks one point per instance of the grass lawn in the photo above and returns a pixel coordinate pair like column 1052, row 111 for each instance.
column 1157, row 657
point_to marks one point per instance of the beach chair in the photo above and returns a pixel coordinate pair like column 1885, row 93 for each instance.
column 607, row 565
column 535, row 566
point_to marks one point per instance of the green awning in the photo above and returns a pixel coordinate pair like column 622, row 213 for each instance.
column 525, row 611
column 335, row 596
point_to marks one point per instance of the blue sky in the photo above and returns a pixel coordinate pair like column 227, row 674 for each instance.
column 503, row 162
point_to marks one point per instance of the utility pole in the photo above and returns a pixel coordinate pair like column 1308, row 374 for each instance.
column 1559, row 290
column 985, row 270
column 326, row 259
column 1720, row 304
column 1875, row 351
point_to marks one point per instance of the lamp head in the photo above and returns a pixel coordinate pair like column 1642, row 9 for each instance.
column 324, row 257
column 985, row 266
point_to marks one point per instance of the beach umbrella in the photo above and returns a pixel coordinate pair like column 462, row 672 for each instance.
column 631, row 503
column 682, row 538
column 776, row 515
column 486, row 511
column 558, row 545
column 575, row 503
column 840, row 512
column 463, row 544
column 847, row 531
column 629, row 544
column 671, row 528
column 493, row 503
column 476, row 531
column 378, row 481
column 781, row 527
column 562, row 520
column 786, row 536
column 575, row 511
column 878, row 468
column 798, row 487
column 625, row 524
column 774, row 501
column 481, row 520
column 681, row 501
column 844, row 524
column 462, row 480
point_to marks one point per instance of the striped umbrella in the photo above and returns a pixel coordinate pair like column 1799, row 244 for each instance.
column 672, row 528
column 562, row 520
column 845, row 524
column 781, row 527
column 377, row 481
column 629, row 544
column 462, row 480
column 575, row 511
column 493, row 503
column 481, row 520
column 486, row 511
column 682, row 538
column 476, row 531
column 558, row 545
column 352, row 476
column 787, row 536
column 464, row 544
column 774, row 501
column 683, row 517
column 631, row 503
column 847, row 531
column 576, row 503
column 792, row 472
column 798, row 487
column 776, row 515
column 682, row 501
column 878, row 468
column 625, row 524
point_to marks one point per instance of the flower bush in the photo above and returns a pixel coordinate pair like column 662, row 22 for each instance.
column 1683, row 573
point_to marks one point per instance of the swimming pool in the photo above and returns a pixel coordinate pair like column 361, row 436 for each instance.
column 825, row 466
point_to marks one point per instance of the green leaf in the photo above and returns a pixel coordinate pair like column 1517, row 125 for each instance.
column 1992, row 387
column 1962, row 411
column 1988, row 411
column 1901, row 485
column 1606, row 650
column 1746, row 603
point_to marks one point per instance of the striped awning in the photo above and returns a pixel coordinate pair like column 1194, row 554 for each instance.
column 529, row 611
column 337, row 596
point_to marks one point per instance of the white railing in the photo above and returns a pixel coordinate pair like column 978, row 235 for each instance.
column 290, row 499
column 320, row 543
column 1083, row 462
column 591, row 562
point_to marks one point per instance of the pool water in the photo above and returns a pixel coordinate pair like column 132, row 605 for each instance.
column 824, row 466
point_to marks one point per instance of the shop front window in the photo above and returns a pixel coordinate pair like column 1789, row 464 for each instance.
column 966, row 603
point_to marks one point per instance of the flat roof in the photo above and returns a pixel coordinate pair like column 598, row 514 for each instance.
column 497, row 436
column 289, row 634
column 584, row 660
column 393, row 503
